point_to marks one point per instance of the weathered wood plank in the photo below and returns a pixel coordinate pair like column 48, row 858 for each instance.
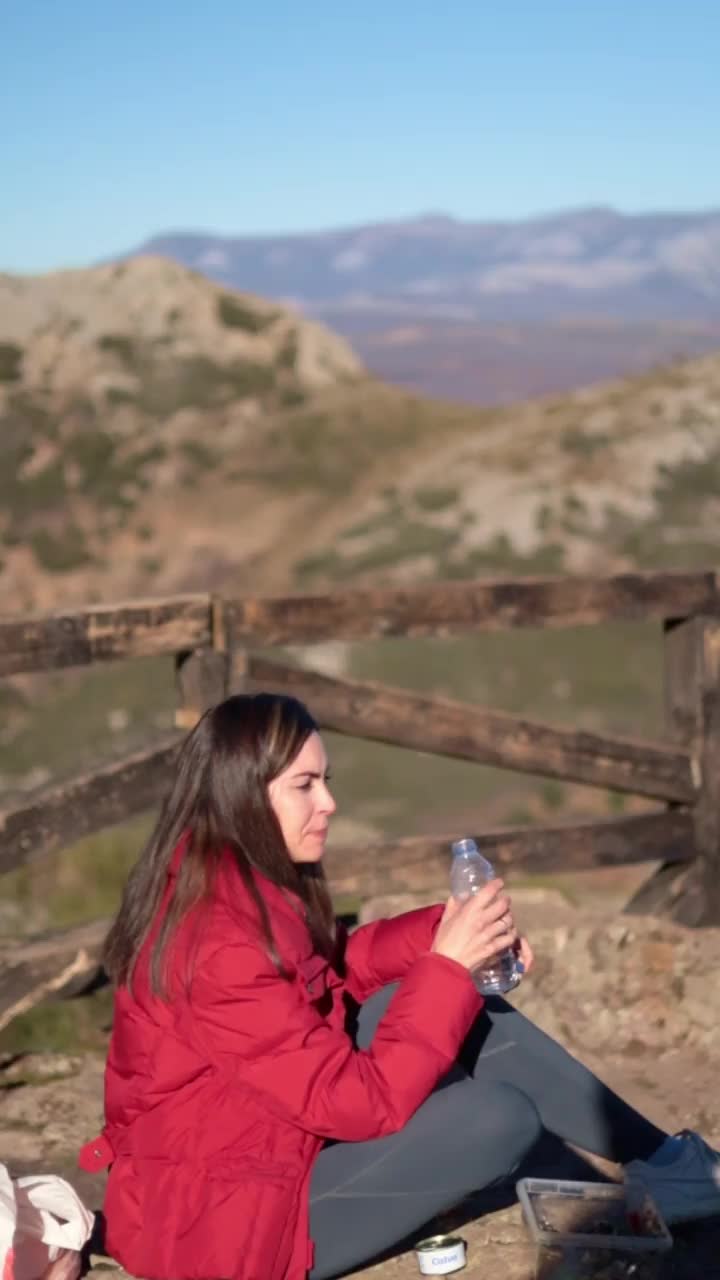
column 468, row 732
column 202, row 680
column 134, row 628
column 421, row 862
column 449, row 608
column 58, row 815
column 692, row 699
column 103, row 632
column 706, row 906
column 203, row 675
column 56, row 964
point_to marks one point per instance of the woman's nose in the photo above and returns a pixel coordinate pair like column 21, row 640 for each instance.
column 327, row 801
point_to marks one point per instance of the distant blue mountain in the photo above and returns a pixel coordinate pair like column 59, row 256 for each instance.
column 590, row 261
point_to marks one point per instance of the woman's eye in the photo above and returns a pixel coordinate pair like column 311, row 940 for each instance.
column 304, row 786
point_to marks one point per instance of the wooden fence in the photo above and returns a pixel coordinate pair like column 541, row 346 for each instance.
column 211, row 640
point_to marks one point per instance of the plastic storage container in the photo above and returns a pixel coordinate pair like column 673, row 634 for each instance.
column 593, row 1230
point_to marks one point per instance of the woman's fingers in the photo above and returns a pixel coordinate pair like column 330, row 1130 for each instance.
column 478, row 927
column 490, row 945
column 452, row 906
column 525, row 954
column 491, row 901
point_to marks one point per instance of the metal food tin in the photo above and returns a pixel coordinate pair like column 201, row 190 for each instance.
column 440, row 1255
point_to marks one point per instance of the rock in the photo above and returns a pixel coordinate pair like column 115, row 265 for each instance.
column 394, row 904
column 617, row 988
column 39, row 1067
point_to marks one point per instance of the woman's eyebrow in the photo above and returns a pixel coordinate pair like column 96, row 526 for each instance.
column 311, row 773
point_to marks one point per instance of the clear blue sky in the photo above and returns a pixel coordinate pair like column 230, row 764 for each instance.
column 124, row 119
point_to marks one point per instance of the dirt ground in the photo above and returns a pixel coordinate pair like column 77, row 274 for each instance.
column 637, row 1000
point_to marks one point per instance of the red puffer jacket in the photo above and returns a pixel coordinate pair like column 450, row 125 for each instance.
column 218, row 1100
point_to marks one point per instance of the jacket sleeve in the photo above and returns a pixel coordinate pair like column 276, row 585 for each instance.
column 383, row 951
column 266, row 1032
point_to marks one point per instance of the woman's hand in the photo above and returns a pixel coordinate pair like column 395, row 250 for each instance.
column 473, row 931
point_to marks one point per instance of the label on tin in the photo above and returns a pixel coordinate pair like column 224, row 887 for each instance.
column 441, row 1257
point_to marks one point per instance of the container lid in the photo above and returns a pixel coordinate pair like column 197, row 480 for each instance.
column 438, row 1242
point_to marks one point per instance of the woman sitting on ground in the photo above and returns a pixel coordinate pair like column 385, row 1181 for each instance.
column 282, row 1099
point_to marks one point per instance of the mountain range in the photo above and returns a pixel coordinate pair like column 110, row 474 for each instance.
column 644, row 267
column 490, row 311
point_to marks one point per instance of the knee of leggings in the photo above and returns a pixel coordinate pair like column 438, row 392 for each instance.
column 508, row 1117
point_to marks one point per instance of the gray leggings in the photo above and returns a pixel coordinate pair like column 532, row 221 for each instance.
column 511, row 1084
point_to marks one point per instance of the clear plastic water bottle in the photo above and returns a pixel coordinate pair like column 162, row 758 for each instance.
column 468, row 873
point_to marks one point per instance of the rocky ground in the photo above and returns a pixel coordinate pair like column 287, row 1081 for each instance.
column 638, row 1000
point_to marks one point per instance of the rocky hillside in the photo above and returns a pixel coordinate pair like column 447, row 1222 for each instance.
column 122, row 389
column 157, row 432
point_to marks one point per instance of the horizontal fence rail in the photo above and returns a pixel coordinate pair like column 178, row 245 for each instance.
column 57, row 964
column 66, row 811
column 451, row 608
column 59, row 815
column 467, row 732
column 421, row 862
column 105, row 632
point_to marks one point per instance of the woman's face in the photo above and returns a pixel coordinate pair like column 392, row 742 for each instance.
column 302, row 803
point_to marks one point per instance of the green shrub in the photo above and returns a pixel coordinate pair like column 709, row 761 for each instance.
column 291, row 397
column 552, row 794
column 11, row 358
column 499, row 555
column 200, row 456
column 325, row 564
column 120, row 395
column 680, row 487
column 410, row 540
column 436, row 499
column 246, row 378
column 60, row 552
column 582, row 444
column 235, row 314
column 197, row 382
column 120, row 345
column 287, row 355
column 92, row 452
column 42, row 491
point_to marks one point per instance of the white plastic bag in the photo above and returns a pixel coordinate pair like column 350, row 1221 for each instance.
column 44, row 1225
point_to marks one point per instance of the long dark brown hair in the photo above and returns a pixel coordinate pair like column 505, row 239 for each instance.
column 219, row 800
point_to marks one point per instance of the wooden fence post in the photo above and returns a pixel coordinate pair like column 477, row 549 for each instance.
column 692, row 706
column 203, row 674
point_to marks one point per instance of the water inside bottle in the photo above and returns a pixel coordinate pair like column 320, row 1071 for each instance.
column 501, row 973
column 498, row 975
